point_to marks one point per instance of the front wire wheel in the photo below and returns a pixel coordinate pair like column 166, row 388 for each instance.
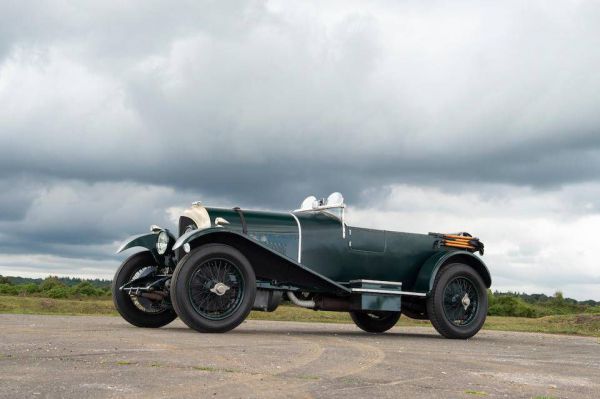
column 216, row 288
column 458, row 303
column 146, row 305
column 137, row 310
column 213, row 288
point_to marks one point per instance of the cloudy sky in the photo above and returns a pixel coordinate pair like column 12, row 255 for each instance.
column 427, row 116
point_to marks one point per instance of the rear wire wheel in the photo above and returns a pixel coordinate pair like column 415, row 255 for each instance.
column 374, row 321
column 415, row 309
column 139, row 311
column 213, row 288
column 458, row 303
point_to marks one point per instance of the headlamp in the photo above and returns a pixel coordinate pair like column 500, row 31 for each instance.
column 162, row 242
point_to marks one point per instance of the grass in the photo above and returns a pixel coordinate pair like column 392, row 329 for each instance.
column 576, row 324
column 214, row 369
column 476, row 393
column 35, row 305
column 125, row 363
column 293, row 313
column 587, row 324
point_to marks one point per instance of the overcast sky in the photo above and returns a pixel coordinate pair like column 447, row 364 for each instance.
column 427, row 116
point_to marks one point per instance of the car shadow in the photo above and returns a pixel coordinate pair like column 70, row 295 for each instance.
column 347, row 334
column 287, row 331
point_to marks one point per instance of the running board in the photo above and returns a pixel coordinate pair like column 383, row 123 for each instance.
column 377, row 295
column 381, row 287
column 388, row 292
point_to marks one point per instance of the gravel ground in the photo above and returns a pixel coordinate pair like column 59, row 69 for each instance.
column 104, row 357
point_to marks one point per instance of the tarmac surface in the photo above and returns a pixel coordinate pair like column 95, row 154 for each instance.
column 104, row 357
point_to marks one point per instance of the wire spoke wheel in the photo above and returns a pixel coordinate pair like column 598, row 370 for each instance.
column 216, row 288
column 146, row 305
column 213, row 288
column 460, row 301
column 136, row 309
column 458, row 304
column 374, row 321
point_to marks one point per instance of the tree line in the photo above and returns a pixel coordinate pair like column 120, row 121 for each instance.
column 54, row 287
column 537, row 305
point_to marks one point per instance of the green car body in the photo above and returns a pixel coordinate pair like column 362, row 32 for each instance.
column 316, row 241
column 313, row 252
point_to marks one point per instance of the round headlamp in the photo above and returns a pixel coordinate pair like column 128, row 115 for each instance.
column 162, row 242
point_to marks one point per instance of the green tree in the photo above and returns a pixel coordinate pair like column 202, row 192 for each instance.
column 5, row 280
column 8, row 289
column 85, row 288
column 30, row 288
column 558, row 299
column 510, row 306
column 59, row 292
column 51, row 282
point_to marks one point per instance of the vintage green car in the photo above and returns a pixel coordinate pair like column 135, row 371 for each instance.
column 227, row 262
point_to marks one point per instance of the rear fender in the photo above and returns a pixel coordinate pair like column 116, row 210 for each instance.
column 267, row 264
column 432, row 266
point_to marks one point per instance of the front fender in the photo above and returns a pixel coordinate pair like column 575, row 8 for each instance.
column 191, row 236
column 267, row 264
column 431, row 267
column 147, row 240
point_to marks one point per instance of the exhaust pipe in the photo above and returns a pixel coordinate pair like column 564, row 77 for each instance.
column 332, row 303
column 299, row 302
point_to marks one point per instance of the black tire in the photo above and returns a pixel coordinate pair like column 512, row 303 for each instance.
column 414, row 314
column 415, row 310
column 205, row 310
column 451, row 314
column 156, row 315
column 375, row 322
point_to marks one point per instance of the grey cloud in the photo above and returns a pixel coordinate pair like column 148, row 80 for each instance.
column 114, row 29
column 263, row 98
column 17, row 196
column 73, row 218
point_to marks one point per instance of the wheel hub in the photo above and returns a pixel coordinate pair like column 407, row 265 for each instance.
column 219, row 289
column 466, row 301
column 461, row 301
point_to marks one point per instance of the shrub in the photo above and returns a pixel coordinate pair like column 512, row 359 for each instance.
column 51, row 282
column 510, row 306
column 85, row 288
column 59, row 292
column 8, row 289
column 28, row 289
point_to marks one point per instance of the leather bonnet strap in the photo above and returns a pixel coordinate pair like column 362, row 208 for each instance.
column 242, row 218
